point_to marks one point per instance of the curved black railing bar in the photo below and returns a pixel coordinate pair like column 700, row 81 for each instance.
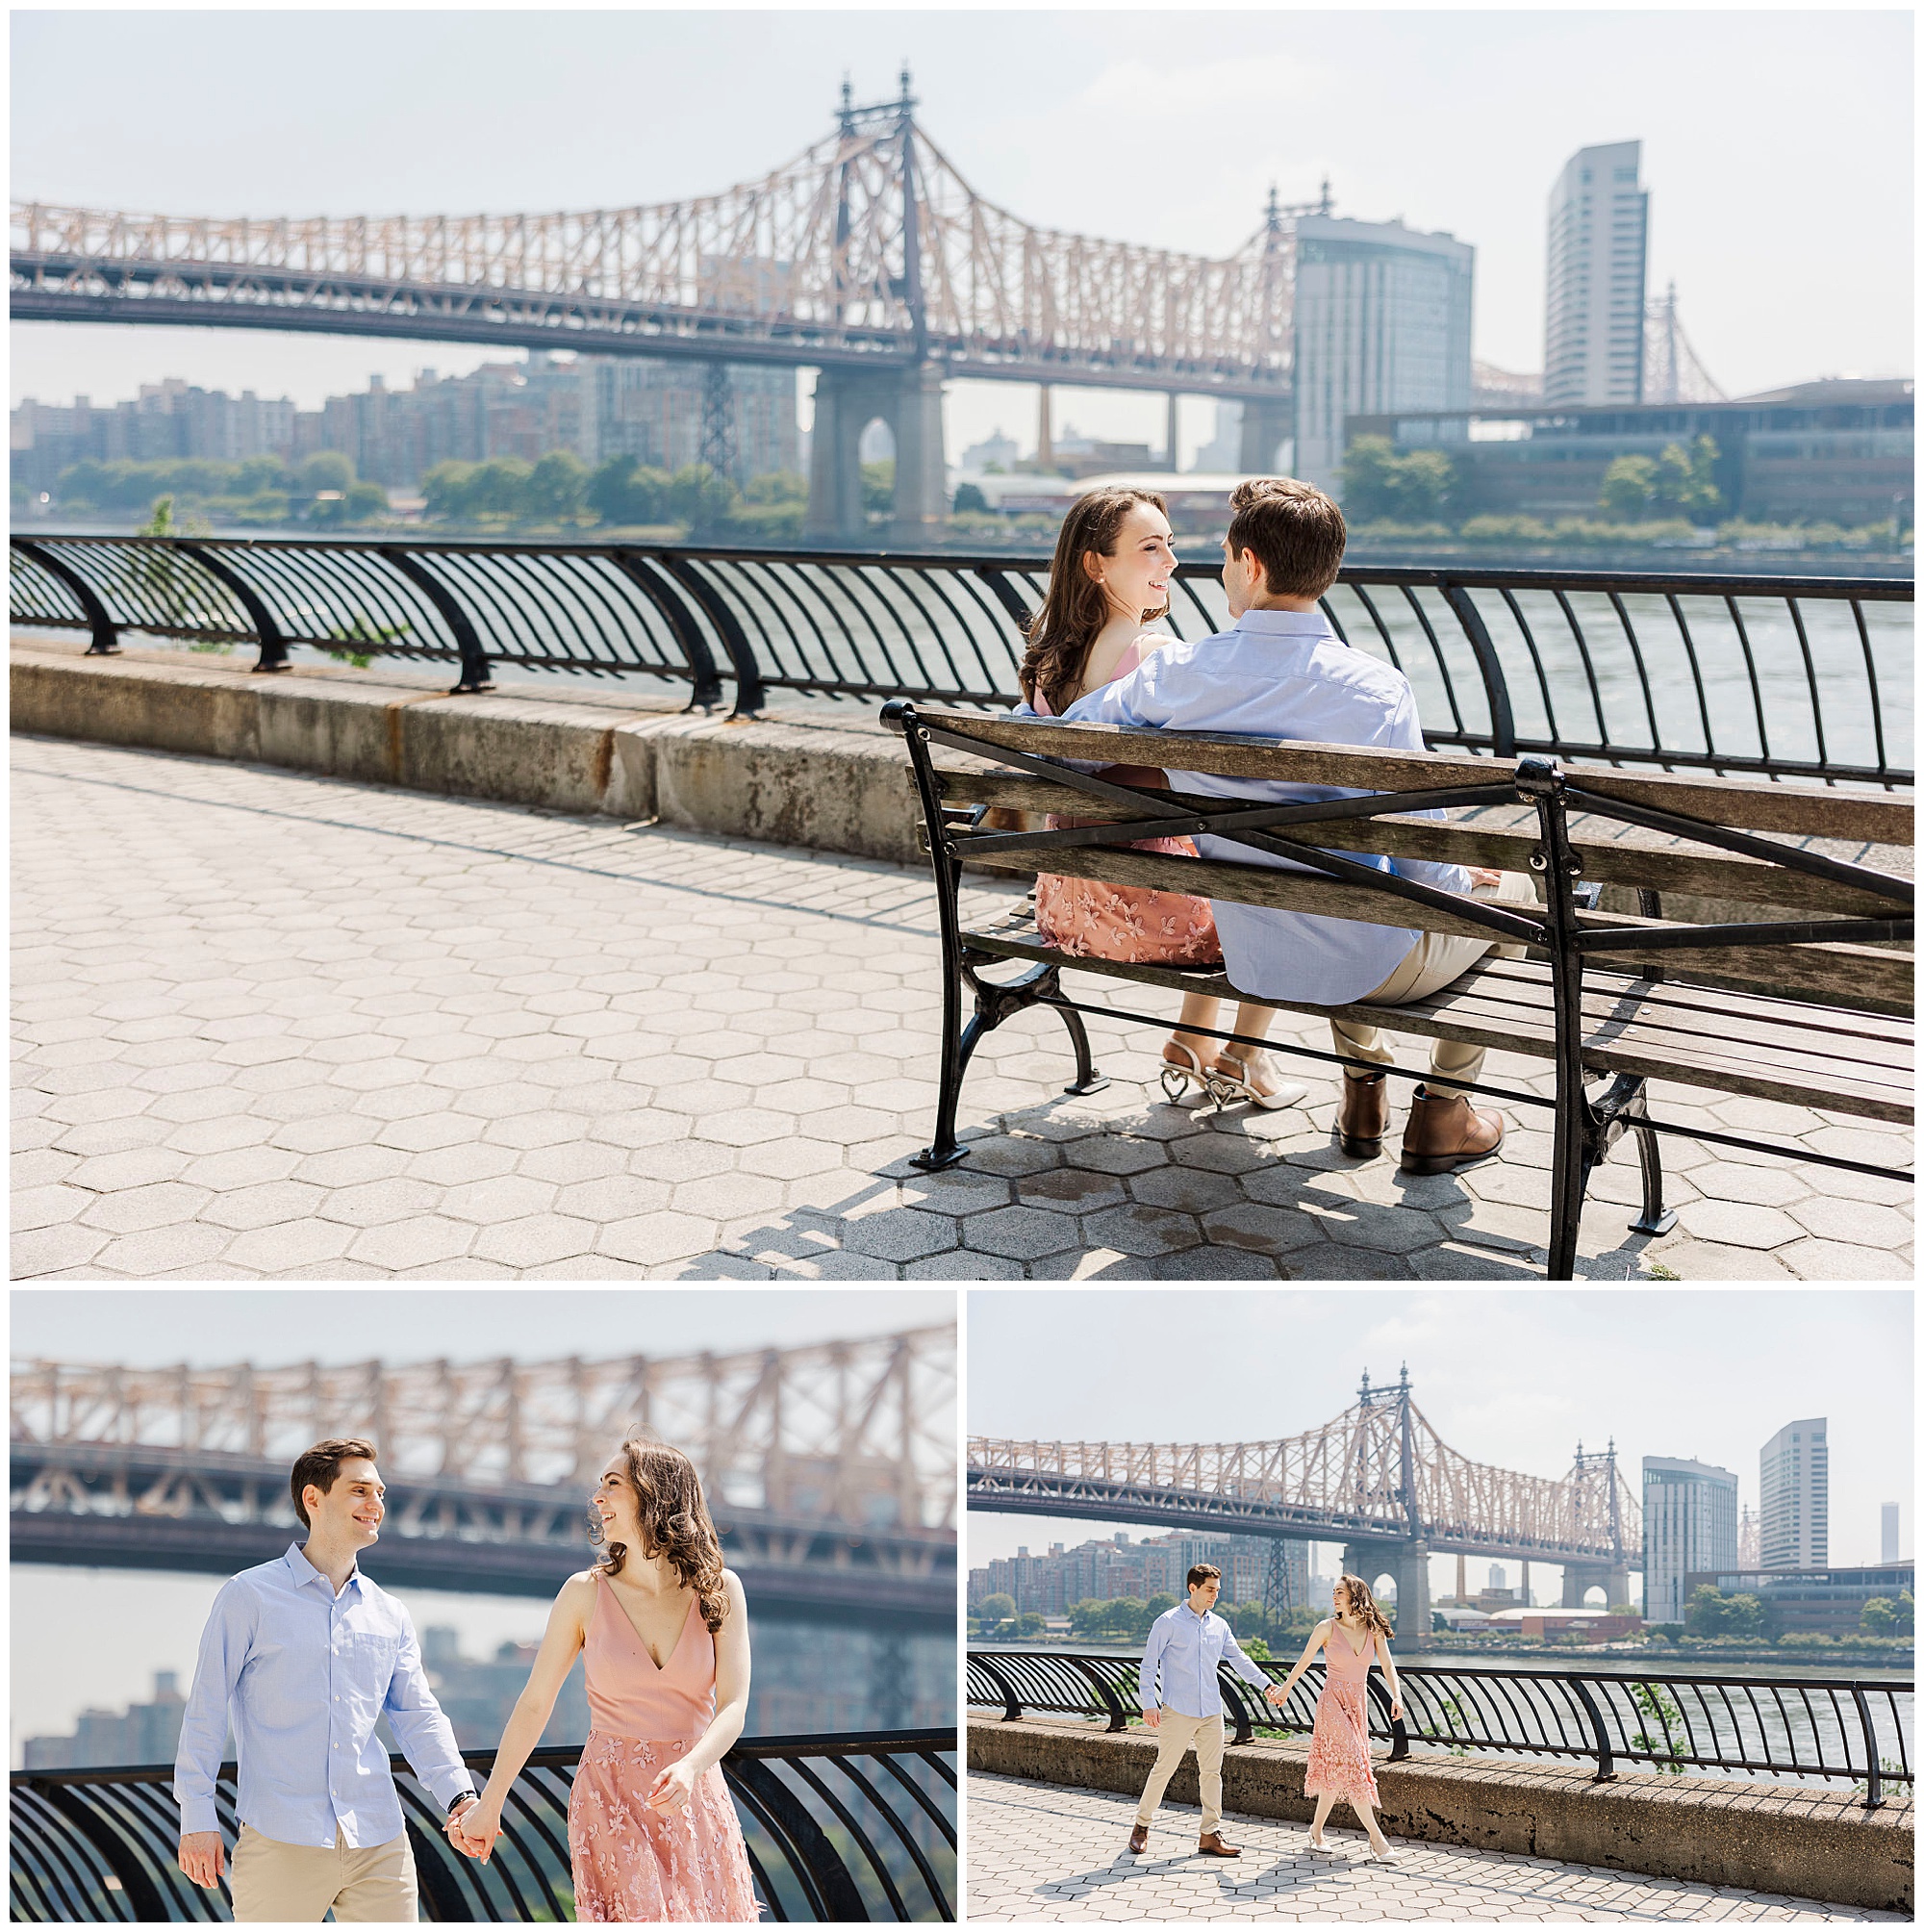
column 828, row 1838
column 945, row 627
column 1834, row 1728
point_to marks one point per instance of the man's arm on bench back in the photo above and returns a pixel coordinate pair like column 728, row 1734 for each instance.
column 1144, row 700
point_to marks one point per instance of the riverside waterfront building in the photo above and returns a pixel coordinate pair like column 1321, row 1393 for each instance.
column 1121, row 1567
column 593, row 406
column 1818, row 1602
column 1794, row 1498
column 1594, row 281
column 1383, row 323
column 1689, row 1525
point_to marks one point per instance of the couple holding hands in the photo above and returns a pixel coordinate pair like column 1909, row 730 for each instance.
column 305, row 1654
column 1180, row 1700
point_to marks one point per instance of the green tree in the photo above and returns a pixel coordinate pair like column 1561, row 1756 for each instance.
column 557, row 487
column 699, row 498
column 324, row 470
column 1682, row 484
column 445, row 487
column 1629, row 488
column 1031, row 1623
column 1707, row 1614
column 879, row 485
column 779, row 487
column 1878, row 1617
column 1420, row 485
column 1743, row 1616
column 998, row 1607
column 969, row 497
column 1368, row 465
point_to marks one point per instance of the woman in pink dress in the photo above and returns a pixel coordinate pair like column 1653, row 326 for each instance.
column 1339, row 1746
column 663, row 1630
column 1109, row 579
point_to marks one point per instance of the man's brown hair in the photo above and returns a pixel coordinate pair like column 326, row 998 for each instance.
column 321, row 1464
column 1202, row 1573
column 1296, row 532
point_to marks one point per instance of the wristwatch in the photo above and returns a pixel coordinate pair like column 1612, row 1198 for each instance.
column 459, row 1800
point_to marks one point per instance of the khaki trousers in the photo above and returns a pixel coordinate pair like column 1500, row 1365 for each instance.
column 1429, row 965
column 298, row 1883
column 1178, row 1733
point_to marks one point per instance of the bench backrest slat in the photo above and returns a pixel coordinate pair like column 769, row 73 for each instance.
column 1484, row 838
column 1798, row 810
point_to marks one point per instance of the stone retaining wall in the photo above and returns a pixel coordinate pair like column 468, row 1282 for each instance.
column 1807, row 1841
column 792, row 778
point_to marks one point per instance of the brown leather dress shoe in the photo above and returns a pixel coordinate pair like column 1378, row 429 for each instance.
column 1139, row 1838
column 1445, row 1132
column 1212, row 1845
column 1362, row 1116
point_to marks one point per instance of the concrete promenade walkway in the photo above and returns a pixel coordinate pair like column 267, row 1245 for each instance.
column 275, row 1025
column 1046, row 1852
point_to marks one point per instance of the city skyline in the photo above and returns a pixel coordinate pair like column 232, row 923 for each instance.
column 1507, row 1377
column 1023, row 132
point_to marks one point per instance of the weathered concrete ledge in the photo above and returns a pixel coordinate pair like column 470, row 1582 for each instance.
column 790, row 777
column 1806, row 1841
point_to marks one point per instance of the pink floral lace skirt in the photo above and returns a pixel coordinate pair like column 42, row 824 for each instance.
column 1339, row 1747
column 1133, row 924
column 635, row 1866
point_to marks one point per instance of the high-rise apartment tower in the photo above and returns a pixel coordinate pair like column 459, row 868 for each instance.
column 1794, row 1498
column 1594, row 280
column 1889, row 1544
column 1689, row 1523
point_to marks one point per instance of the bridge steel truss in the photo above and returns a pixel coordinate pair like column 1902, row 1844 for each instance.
column 830, row 1469
column 1378, row 1479
column 868, row 256
column 869, row 249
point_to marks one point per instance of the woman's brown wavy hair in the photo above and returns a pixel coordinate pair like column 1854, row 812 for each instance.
column 1076, row 607
column 676, row 1524
column 1363, row 1604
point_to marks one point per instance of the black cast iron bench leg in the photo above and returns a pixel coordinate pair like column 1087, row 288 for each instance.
column 1040, row 985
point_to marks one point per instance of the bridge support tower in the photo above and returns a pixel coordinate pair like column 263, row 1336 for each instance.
column 1578, row 1578
column 1265, row 424
column 1409, row 1565
column 845, row 402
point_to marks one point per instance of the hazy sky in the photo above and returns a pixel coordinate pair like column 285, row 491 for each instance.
column 149, row 1327
column 1777, row 147
column 1513, row 1376
column 95, row 1637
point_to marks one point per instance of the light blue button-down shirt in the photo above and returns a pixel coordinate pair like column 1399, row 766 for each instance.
column 306, row 1674
column 1281, row 675
column 1186, row 1649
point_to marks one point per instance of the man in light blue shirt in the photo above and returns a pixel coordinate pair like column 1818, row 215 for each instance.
column 307, row 1653
column 1180, row 1698
column 1282, row 673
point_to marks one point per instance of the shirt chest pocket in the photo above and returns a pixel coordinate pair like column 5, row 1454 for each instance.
column 366, row 1659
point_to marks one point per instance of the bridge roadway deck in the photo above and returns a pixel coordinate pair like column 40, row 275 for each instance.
column 275, row 1025
column 1048, row 1852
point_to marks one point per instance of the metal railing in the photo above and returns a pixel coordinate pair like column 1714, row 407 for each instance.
column 1791, row 677
column 1821, row 1729
column 842, row 1828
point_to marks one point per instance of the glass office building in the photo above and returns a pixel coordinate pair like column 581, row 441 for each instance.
column 1794, row 1497
column 1594, row 278
column 1690, row 1524
column 1383, row 323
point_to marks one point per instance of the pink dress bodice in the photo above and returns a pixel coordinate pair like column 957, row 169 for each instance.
column 1135, row 924
column 628, row 1693
column 1344, row 1661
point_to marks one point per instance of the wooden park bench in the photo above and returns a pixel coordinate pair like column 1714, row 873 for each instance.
column 1803, row 997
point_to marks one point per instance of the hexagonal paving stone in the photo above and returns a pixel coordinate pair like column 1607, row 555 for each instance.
column 535, row 1239
column 1138, row 1229
column 664, row 1236
column 1738, row 1223
column 1021, row 1234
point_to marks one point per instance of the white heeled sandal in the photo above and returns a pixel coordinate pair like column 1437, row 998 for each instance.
column 1177, row 1076
column 1237, row 1085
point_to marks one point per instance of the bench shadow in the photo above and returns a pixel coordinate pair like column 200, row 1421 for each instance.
column 1067, row 1164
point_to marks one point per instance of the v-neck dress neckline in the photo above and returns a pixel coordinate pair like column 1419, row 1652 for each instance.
column 675, row 1650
